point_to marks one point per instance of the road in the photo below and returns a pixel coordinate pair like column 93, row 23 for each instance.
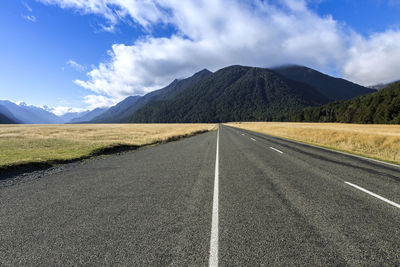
column 265, row 201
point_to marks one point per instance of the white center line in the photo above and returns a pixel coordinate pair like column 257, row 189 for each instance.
column 374, row 195
column 276, row 149
column 213, row 261
column 253, row 139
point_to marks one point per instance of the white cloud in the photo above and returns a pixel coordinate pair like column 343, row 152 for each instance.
column 30, row 18
column 216, row 33
column 57, row 110
column 143, row 12
column 375, row 59
column 213, row 34
column 61, row 110
column 99, row 101
column 76, row 65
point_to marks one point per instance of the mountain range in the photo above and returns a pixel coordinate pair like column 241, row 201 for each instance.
column 88, row 115
column 234, row 93
column 122, row 111
column 24, row 113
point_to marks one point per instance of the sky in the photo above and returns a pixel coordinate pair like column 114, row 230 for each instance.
column 73, row 55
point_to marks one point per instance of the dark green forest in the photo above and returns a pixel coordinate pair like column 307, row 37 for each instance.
column 240, row 93
column 382, row 107
column 333, row 88
column 123, row 110
column 235, row 93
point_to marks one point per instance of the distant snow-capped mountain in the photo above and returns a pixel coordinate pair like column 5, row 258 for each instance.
column 21, row 112
column 30, row 114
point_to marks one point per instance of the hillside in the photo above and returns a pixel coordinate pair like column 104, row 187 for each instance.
column 69, row 116
column 380, row 107
column 88, row 116
column 123, row 110
column 118, row 112
column 333, row 88
column 5, row 120
column 6, row 116
column 234, row 93
column 30, row 114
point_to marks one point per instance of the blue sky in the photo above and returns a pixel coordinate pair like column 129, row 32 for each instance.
column 363, row 16
column 89, row 53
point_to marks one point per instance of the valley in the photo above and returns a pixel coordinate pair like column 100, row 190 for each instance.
column 200, row 133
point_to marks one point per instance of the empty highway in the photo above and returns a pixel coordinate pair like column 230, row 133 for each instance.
column 230, row 198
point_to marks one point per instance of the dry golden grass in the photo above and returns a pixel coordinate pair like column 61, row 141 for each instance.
column 371, row 140
column 41, row 143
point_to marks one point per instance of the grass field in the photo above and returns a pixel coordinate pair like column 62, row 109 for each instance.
column 371, row 140
column 21, row 144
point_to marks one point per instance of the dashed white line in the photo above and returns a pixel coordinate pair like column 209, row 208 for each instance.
column 374, row 195
column 213, row 261
column 253, row 139
column 276, row 150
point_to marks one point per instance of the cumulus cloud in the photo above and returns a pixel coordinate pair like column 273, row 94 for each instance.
column 99, row 101
column 375, row 59
column 212, row 34
column 216, row 33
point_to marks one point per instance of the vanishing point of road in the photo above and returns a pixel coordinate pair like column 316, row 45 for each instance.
column 229, row 197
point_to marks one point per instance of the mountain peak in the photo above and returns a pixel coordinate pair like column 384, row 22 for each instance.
column 234, row 93
column 333, row 88
column 202, row 73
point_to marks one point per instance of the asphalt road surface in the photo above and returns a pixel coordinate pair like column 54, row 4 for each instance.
column 228, row 198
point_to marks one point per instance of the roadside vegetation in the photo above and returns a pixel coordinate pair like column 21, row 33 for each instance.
column 371, row 140
column 25, row 144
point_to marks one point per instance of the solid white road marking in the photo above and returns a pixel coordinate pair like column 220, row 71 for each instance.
column 243, row 134
column 276, row 150
column 253, row 139
column 374, row 195
column 213, row 261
